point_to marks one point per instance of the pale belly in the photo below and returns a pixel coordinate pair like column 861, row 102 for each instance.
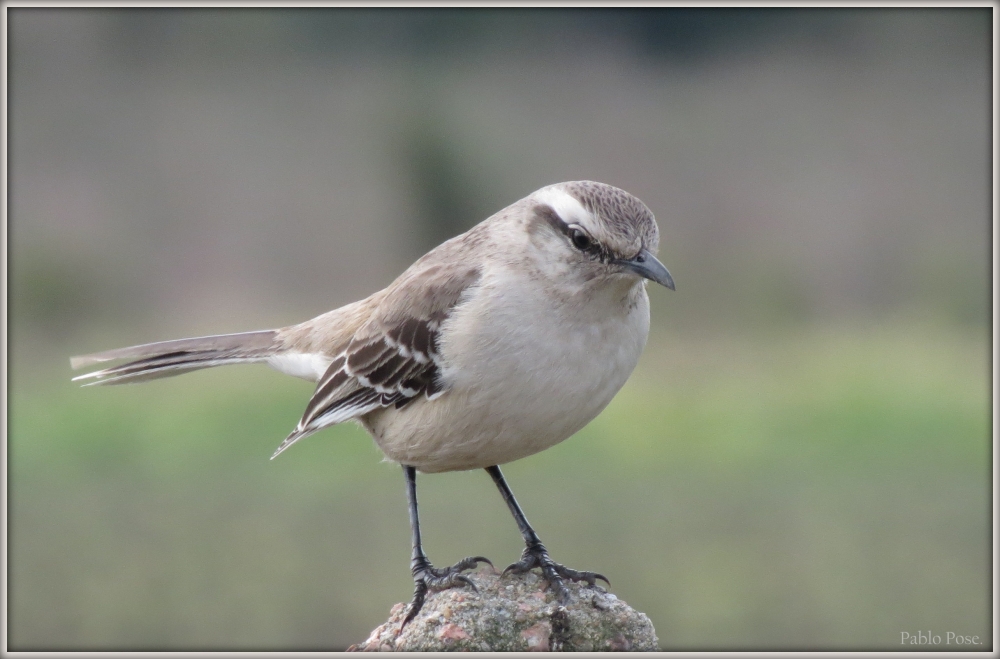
column 515, row 388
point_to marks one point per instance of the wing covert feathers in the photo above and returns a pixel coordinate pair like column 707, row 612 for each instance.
column 393, row 358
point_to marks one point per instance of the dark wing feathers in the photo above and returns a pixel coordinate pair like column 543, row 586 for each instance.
column 380, row 377
column 362, row 357
column 391, row 360
column 415, row 338
column 331, row 382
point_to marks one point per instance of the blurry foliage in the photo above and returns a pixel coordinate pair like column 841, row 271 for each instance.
column 685, row 35
column 448, row 197
column 821, row 490
column 220, row 148
column 46, row 288
column 48, row 292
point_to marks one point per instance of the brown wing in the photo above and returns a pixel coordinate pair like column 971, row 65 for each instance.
column 394, row 357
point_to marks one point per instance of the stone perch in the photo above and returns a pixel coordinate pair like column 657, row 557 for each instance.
column 515, row 614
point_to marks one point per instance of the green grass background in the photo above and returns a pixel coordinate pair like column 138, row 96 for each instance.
column 802, row 488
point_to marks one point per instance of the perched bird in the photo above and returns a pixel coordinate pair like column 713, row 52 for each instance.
column 497, row 344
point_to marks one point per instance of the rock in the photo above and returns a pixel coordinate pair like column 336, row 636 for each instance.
column 515, row 614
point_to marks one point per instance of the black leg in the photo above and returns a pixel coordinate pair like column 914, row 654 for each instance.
column 426, row 576
column 535, row 554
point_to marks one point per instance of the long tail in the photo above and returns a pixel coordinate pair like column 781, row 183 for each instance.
column 166, row 358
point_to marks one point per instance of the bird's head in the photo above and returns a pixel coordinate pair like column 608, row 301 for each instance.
column 597, row 231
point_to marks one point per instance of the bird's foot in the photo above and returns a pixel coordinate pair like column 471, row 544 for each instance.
column 554, row 573
column 427, row 577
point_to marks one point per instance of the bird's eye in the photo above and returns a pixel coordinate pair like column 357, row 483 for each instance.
column 580, row 240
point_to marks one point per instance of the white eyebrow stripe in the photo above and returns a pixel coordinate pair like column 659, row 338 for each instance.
column 566, row 206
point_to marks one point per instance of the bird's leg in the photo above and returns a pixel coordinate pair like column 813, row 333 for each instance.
column 426, row 576
column 535, row 554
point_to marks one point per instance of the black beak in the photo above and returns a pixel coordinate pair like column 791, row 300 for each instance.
column 645, row 265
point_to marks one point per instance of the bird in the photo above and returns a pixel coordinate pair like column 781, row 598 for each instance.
column 497, row 344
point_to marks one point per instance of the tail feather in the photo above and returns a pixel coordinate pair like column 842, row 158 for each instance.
column 166, row 358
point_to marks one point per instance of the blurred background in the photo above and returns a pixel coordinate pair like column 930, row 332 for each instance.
column 801, row 460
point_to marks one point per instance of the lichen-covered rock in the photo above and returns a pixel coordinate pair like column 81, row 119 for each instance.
column 516, row 613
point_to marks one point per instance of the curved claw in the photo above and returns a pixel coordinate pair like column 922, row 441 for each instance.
column 521, row 566
column 470, row 563
column 467, row 581
column 417, row 603
column 528, row 560
column 427, row 577
column 576, row 575
column 553, row 572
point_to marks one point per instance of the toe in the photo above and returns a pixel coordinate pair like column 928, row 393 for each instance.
column 471, row 563
column 417, row 603
column 557, row 586
column 461, row 578
column 520, row 567
column 575, row 575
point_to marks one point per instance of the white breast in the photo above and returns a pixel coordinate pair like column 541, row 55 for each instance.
column 523, row 373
